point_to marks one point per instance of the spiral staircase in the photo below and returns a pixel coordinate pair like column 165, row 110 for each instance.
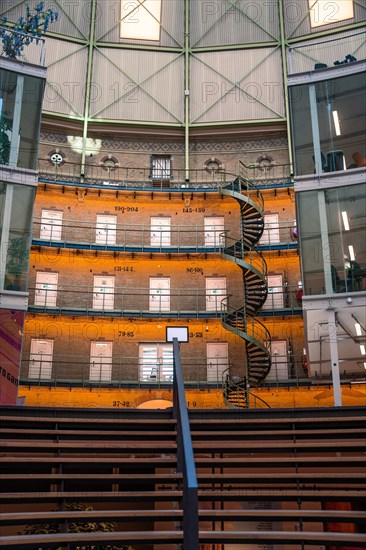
column 242, row 321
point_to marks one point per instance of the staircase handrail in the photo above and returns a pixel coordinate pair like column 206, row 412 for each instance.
column 185, row 456
column 235, row 383
column 240, row 185
column 273, row 172
column 252, row 256
column 253, row 327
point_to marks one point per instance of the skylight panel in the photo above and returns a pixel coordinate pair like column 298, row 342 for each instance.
column 140, row 19
column 324, row 12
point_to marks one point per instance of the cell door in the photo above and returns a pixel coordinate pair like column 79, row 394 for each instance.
column 40, row 360
column 46, row 289
column 217, row 361
column 159, row 294
column 275, row 293
column 103, row 293
column 215, row 293
column 156, row 362
column 100, row 361
column 106, row 229
column 160, row 231
column 279, row 357
column 271, row 233
column 214, row 228
column 51, row 225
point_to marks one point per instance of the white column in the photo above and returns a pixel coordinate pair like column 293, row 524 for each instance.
column 325, row 246
column 4, row 243
column 315, row 129
column 333, row 346
column 15, row 133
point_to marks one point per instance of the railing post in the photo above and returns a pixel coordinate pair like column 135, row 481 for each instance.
column 185, row 458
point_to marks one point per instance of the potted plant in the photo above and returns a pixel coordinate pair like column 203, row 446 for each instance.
column 27, row 29
column 17, row 262
column 5, row 143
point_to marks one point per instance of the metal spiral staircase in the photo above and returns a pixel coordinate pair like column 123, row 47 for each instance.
column 241, row 321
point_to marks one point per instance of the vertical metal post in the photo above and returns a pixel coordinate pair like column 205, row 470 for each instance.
column 15, row 131
column 186, row 86
column 5, row 233
column 284, row 76
column 88, row 79
column 315, row 129
column 185, row 458
column 325, row 246
column 333, row 346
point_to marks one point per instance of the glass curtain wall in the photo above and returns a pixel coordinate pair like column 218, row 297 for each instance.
column 332, row 239
column 328, row 124
column 16, row 208
column 20, row 117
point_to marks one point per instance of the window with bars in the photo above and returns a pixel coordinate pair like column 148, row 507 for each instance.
column 161, row 167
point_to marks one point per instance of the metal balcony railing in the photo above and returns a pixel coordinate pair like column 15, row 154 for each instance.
column 127, row 235
column 284, row 233
column 126, row 300
column 99, row 174
column 283, row 297
column 82, row 370
column 141, row 178
column 116, row 371
column 270, row 174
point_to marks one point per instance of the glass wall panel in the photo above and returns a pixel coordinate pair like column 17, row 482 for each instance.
column 11, row 330
column 30, row 122
column 20, row 117
column 328, row 124
column 16, row 206
column 332, row 224
column 8, row 86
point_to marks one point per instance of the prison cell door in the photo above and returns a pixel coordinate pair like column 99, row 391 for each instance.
column 46, row 289
column 217, row 361
column 40, row 360
column 100, row 361
column 103, row 293
column 51, row 225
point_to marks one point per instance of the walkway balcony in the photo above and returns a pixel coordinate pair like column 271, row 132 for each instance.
column 127, row 302
column 126, row 237
column 86, row 371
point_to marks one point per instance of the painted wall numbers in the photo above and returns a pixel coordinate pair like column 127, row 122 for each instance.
column 196, row 335
column 124, row 268
column 124, row 209
column 124, row 334
column 125, row 404
column 194, row 270
column 188, row 210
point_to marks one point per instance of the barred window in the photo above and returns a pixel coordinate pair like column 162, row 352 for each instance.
column 161, row 167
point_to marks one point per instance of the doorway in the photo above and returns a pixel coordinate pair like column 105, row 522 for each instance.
column 46, row 289
column 271, row 233
column 213, row 228
column 215, row 293
column 159, row 299
column 275, row 292
column 103, row 293
column 279, row 368
column 40, row 360
column 217, row 361
column 106, row 229
column 156, row 362
column 100, row 361
column 160, row 231
column 51, row 225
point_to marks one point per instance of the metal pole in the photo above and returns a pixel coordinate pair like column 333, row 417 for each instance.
column 186, row 85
